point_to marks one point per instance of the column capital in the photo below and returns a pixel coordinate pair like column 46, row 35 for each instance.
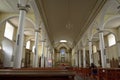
column 25, row 8
column 37, row 30
column 101, row 31
column 89, row 40
column 44, row 40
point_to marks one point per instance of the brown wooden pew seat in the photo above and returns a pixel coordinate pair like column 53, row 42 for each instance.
column 9, row 74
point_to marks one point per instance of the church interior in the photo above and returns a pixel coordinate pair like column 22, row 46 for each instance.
column 59, row 39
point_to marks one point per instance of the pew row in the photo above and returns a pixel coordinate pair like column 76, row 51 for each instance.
column 102, row 73
column 29, row 74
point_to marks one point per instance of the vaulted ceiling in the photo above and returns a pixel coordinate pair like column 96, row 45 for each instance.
column 68, row 19
column 63, row 19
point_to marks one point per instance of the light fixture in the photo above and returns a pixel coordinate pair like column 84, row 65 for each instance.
column 63, row 40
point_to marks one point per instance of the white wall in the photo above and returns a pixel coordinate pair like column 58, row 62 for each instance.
column 7, row 46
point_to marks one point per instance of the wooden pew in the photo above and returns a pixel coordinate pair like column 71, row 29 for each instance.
column 26, row 74
column 102, row 73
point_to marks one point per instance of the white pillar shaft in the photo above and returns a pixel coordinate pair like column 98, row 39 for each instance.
column 36, row 64
column 51, row 59
column 42, row 57
column 118, row 46
column 46, row 61
column 80, row 58
column 33, row 64
column 90, row 52
column 76, row 58
column 84, row 58
column 102, row 49
column 20, row 39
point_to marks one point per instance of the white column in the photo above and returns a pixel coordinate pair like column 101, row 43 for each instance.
column 76, row 57
column 118, row 45
column 36, row 63
column 84, row 58
column 42, row 57
column 53, row 58
column 20, row 36
column 90, row 52
column 68, row 57
column 80, row 58
column 43, row 45
column 49, row 59
column 46, row 61
column 102, row 49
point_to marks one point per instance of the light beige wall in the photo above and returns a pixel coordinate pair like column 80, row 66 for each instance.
column 39, row 50
column 96, row 58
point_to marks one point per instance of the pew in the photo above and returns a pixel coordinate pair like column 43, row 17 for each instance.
column 102, row 73
column 36, row 74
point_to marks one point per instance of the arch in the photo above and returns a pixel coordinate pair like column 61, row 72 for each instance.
column 29, row 39
column 10, row 17
column 104, row 31
column 111, row 19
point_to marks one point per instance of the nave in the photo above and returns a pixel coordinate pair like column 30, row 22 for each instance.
column 60, row 39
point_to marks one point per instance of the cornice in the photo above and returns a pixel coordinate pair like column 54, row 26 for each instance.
column 96, row 9
column 43, row 16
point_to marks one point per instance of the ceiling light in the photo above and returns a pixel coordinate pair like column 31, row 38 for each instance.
column 63, row 40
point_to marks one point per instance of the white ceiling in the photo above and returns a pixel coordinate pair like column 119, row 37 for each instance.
column 8, row 6
column 65, row 19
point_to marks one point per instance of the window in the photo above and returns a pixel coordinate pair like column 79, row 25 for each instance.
column 33, row 49
column 94, row 49
column 9, row 29
column 62, row 54
column 111, row 40
column 62, row 51
column 28, row 45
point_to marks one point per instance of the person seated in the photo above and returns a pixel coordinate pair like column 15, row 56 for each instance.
column 93, row 68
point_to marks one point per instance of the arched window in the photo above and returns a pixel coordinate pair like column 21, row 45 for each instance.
column 62, row 54
column 94, row 49
column 111, row 40
column 33, row 49
column 9, row 30
column 28, row 45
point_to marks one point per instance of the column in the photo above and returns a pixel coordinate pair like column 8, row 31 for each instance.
column 118, row 45
column 84, row 58
column 43, row 45
column 36, row 63
column 76, row 59
column 42, row 56
column 46, row 61
column 102, row 49
column 90, row 52
column 20, row 35
column 80, row 58
column 53, row 58
column 49, row 59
